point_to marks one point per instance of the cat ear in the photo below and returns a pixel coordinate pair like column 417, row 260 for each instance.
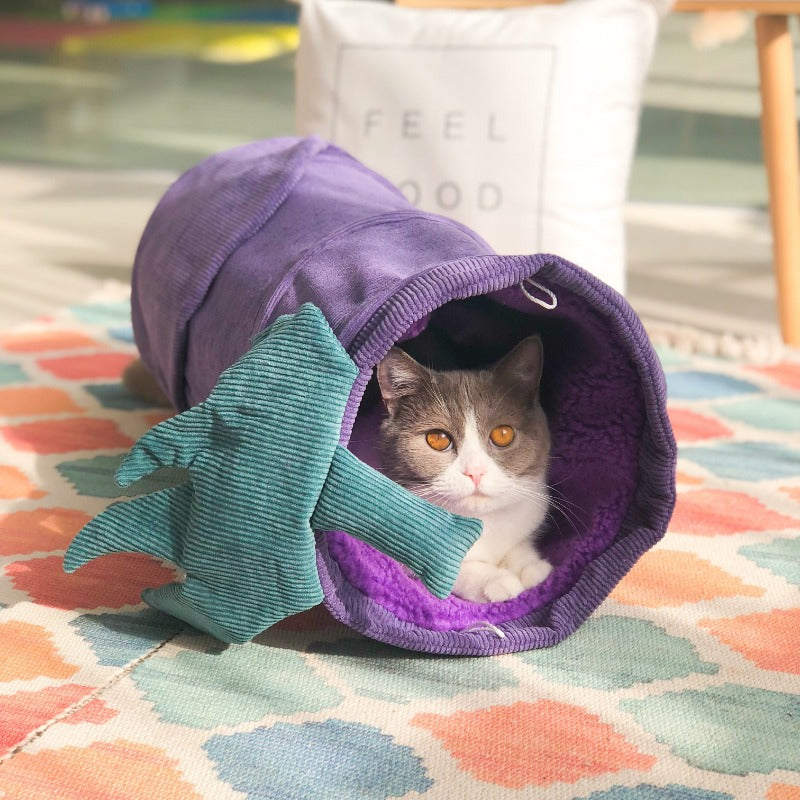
column 523, row 366
column 398, row 376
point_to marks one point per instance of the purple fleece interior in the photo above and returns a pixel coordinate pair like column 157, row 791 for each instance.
column 593, row 399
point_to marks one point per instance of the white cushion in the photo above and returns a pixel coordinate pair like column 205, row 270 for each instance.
column 520, row 123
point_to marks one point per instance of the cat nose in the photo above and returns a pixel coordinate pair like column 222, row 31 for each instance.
column 475, row 474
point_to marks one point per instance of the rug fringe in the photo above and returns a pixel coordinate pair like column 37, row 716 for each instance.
column 765, row 348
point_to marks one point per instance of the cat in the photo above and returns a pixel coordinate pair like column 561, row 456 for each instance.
column 477, row 443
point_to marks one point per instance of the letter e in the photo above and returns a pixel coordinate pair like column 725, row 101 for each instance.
column 410, row 128
column 371, row 120
column 454, row 125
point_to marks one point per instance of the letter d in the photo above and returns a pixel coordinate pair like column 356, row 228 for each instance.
column 490, row 196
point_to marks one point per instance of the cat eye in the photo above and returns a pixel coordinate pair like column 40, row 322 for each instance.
column 502, row 435
column 439, row 440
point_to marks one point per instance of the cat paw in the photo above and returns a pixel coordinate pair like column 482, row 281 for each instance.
column 534, row 573
column 467, row 592
column 502, row 588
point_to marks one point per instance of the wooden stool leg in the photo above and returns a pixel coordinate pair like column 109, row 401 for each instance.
column 780, row 143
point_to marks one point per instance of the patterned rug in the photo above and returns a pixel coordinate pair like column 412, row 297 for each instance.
column 685, row 685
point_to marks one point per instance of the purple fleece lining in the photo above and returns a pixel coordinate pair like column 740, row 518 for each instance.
column 251, row 234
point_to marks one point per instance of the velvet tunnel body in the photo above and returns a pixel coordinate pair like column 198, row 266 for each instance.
column 255, row 232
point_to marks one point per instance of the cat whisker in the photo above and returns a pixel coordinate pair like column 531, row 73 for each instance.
column 428, row 492
column 499, row 400
column 419, row 487
column 440, row 401
column 565, row 478
column 542, row 498
column 557, row 496
column 574, row 530
column 553, row 503
column 554, row 511
column 549, row 497
column 570, row 518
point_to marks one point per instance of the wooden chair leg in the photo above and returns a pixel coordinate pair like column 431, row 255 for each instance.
column 780, row 143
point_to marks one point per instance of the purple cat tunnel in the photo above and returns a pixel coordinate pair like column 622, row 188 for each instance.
column 255, row 232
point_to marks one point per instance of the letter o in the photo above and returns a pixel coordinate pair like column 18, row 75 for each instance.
column 411, row 191
column 448, row 202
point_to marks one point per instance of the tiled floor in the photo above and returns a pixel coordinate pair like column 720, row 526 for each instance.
column 92, row 132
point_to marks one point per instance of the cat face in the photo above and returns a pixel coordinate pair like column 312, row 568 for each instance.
column 471, row 441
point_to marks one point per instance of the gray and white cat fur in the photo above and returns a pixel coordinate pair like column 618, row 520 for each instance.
column 504, row 486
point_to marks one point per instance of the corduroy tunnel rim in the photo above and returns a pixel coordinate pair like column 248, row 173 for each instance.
column 357, row 600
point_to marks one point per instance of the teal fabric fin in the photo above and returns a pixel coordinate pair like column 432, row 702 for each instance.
column 175, row 442
column 150, row 524
column 263, row 457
